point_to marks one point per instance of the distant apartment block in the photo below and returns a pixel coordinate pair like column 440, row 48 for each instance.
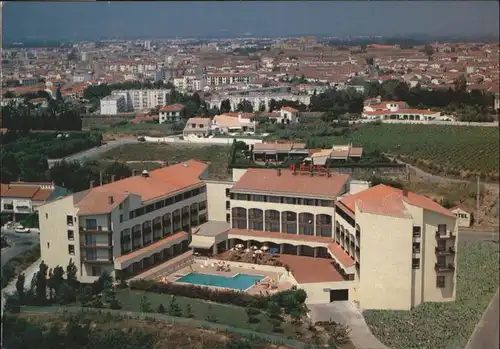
column 113, row 105
column 171, row 113
column 143, row 98
column 228, row 78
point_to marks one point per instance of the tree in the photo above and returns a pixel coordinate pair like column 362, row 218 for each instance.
column 252, row 314
column 272, row 105
column 59, row 97
column 84, row 296
column 56, row 279
column 160, row 309
column 12, row 303
column 173, row 308
column 118, row 169
column 225, row 106
column 461, row 84
column 245, row 106
column 71, row 275
column 41, row 284
column 20, row 287
column 189, row 311
column 145, row 304
column 273, row 310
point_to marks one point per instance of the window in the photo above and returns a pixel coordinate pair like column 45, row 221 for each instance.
column 96, row 271
column 71, row 249
column 91, row 223
column 71, row 235
column 8, row 206
column 121, row 218
column 416, row 232
column 69, row 220
column 46, row 216
column 228, row 205
column 440, row 281
column 442, row 228
column 48, row 244
column 228, row 192
column 416, row 247
column 120, row 206
column 228, row 217
column 415, row 263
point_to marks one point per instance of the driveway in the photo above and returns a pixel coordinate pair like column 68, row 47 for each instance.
column 485, row 335
column 19, row 244
column 94, row 152
column 347, row 313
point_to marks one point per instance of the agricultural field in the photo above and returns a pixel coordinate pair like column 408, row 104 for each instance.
column 458, row 151
column 114, row 127
column 444, row 325
column 454, row 151
column 216, row 155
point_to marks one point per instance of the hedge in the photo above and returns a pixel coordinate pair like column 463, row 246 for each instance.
column 19, row 263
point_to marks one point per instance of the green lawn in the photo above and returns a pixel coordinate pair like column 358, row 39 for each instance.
column 225, row 314
column 445, row 325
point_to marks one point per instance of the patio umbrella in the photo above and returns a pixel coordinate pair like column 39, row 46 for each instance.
column 247, row 250
column 239, row 246
column 258, row 252
column 253, row 247
column 264, row 248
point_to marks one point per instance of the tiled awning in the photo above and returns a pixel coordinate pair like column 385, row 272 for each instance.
column 341, row 256
column 127, row 260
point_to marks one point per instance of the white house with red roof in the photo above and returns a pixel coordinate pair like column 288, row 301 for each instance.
column 374, row 109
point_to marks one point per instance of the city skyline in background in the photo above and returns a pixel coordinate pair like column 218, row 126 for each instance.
column 134, row 20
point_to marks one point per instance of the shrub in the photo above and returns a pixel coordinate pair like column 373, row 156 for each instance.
column 160, row 309
column 115, row 304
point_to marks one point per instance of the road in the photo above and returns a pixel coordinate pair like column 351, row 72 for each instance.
column 486, row 333
column 19, row 243
column 94, row 152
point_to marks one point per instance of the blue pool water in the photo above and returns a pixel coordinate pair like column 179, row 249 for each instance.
column 237, row 282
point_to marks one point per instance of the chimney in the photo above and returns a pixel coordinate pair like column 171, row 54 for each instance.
column 279, row 171
column 111, row 201
column 91, row 184
column 112, row 178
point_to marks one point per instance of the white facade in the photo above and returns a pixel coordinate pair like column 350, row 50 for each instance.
column 257, row 100
column 113, row 105
column 144, row 99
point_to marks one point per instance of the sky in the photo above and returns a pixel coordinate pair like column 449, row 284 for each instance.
column 142, row 19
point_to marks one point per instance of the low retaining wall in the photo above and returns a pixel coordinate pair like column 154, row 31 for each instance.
column 196, row 140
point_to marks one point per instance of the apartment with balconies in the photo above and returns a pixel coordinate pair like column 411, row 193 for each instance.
column 126, row 226
column 402, row 246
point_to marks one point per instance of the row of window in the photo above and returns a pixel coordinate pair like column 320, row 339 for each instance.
column 280, row 199
column 166, row 202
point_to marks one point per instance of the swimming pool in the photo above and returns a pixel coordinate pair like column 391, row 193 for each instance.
column 237, row 282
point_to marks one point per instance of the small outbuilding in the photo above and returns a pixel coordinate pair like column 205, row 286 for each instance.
column 464, row 215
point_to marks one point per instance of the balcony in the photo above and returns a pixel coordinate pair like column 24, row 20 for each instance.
column 95, row 230
column 444, row 234
column 445, row 251
column 441, row 268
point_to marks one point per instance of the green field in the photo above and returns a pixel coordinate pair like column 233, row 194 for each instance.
column 224, row 314
column 454, row 150
column 444, row 325
column 217, row 156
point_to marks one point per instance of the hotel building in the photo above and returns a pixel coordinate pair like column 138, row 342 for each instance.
column 126, row 226
column 382, row 247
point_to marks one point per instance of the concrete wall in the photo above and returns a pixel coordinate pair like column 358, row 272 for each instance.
column 196, row 140
column 54, row 233
column 216, row 200
column 385, row 261
column 319, row 292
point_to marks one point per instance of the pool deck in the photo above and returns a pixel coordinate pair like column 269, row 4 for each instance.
column 260, row 288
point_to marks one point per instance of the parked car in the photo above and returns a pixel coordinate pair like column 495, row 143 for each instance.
column 21, row 229
column 141, row 139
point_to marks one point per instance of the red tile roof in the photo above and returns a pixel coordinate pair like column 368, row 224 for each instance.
column 159, row 183
column 385, row 200
column 25, row 191
column 172, row 107
column 268, row 180
column 341, row 255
